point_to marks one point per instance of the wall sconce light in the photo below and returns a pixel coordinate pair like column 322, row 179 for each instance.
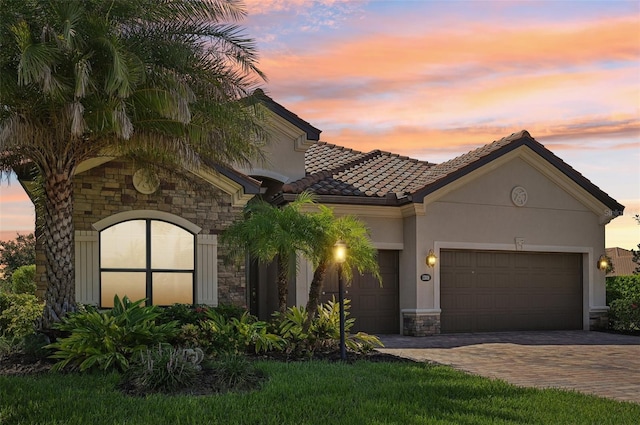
column 603, row 263
column 431, row 259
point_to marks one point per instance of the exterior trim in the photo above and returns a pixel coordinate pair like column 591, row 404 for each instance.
column 614, row 208
column 146, row 214
column 312, row 133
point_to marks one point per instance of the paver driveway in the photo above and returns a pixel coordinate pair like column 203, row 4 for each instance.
column 607, row 365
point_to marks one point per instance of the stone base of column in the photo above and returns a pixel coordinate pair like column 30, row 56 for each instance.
column 420, row 324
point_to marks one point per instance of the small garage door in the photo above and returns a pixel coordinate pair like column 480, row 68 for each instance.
column 484, row 291
column 375, row 307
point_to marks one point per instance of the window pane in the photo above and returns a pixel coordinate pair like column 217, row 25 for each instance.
column 123, row 246
column 131, row 284
column 171, row 288
column 171, row 247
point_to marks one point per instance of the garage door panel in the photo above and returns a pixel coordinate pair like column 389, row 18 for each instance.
column 375, row 307
column 519, row 291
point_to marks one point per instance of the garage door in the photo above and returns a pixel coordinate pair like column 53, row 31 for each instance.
column 375, row 308
column 508, row 291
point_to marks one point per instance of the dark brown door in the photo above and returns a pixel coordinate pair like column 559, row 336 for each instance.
column 375, row 307
column 484, row 291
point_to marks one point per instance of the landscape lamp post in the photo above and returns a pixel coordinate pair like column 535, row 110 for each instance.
column 340, row 255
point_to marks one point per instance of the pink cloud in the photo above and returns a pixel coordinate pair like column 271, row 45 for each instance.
column 387, row 56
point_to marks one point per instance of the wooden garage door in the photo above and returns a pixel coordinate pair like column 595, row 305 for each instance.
column 507, row 291
column 375, row 308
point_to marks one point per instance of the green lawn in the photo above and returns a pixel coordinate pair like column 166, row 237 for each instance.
column 311, row 393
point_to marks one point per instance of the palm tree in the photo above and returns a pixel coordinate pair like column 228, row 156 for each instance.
column 361, row 255
column 267, row 232
column 157, row 81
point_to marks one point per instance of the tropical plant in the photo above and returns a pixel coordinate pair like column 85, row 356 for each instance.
column 156, row 81
column 361, row 254
column 240, row 335
column 108, row 339
column 267, row 232
column 323, row 334
column 18, row 252
column 163, row 369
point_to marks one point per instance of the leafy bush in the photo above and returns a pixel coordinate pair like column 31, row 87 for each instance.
column 183, row 314
column 624, row 315
column 220, row 330
column 230, row 311
column 108, row 339
column 323, row 334
column 623, row 298
column 18, row 252
column 623, row 287
column 19, row 314
column 164, row 369
column 237, row 335
column 234, row 372
column 23, row 280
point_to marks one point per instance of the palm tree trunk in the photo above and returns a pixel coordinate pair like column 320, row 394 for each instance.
column 314, row 292
column 58, row 235
column 283, row 282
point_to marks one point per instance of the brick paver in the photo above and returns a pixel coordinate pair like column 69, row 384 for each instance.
column 603, row 364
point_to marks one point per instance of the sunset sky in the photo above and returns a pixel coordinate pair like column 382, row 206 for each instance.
column 435, row 79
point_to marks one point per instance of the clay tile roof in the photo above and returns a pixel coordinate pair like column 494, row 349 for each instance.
column 622, row 260
column 394, row 179
column 446, row 168
column 335, row 170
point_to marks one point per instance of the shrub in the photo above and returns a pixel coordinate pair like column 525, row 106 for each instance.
column 108, row 339
column 19, row 314
column 183, row 314
column 323, row 334
column 624, row 315
column 234, row 372
column 163, row 369
column 23, row 280
column 237, row 335
column 230, row 311
column 626, row 287
column 18, row 252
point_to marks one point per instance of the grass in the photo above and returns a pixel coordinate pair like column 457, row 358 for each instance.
column 311, row 393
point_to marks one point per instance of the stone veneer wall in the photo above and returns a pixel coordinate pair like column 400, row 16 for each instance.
column 598, row 320
column 419, row 324
column 108, row 189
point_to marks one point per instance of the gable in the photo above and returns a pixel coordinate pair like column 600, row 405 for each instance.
column 495, row 186
column 241, row 188
column 289, row 138
column 547, row 186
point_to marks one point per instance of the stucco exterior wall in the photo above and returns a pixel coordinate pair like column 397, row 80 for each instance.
column 284, row 154
column 108, row 189
column 481, row 215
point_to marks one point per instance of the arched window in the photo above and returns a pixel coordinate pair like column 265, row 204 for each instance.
column 147, row 258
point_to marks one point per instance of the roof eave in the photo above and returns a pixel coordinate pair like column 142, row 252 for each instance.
column 526, row 140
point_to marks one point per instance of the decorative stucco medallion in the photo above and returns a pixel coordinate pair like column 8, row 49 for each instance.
column 146, row 181
column 519, row 196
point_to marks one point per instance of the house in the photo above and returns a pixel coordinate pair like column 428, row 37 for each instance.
column 622, row 260
column 515, row 231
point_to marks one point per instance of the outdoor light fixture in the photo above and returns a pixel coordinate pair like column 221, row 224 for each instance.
column 431, row 259
column 340, row 255
column 340, row 252
column 603, row 262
